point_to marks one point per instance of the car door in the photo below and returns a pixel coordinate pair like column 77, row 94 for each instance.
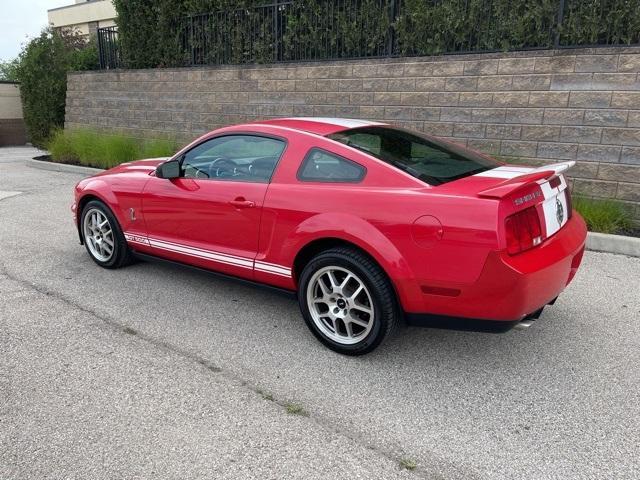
column 210, row 215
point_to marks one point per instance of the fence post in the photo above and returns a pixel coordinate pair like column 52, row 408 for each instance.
column 276, row 31
column 556, row 41
column 100, row 49
column 192, row 53
column 393, row 12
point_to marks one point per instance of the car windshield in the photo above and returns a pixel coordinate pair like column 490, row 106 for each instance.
column 433, row 161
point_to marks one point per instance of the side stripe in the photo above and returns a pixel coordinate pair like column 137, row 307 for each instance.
column 219, row 257
column 136, row 238
column 286, row 275
column 200, row 252
column 271, row 268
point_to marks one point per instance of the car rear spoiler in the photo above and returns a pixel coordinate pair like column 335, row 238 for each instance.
column 534, row 175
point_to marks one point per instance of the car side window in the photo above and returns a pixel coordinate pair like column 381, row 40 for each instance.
column 239, row 158
column 322, row 166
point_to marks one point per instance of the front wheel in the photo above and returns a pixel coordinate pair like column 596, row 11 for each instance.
column 347, row 301
column 103, row 237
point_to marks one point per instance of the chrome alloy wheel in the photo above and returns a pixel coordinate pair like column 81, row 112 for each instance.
column 340, row 305
column 98, row 235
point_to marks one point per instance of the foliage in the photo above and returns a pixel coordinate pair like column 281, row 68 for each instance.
column 604, row 216
column 408, row 463
column 593, row 22
column 295, row 409
column 9, row 70
column 42, row 72
column 157, row 33
column 94, row 149
column 466, row 25
column 86, row 56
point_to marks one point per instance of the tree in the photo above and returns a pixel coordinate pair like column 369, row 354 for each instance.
column 9, row 70
column 42, row 71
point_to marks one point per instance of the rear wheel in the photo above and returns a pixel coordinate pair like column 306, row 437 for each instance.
column 347, row 301
column 103, row 237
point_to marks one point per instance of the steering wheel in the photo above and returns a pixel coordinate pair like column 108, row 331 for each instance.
column 220, row 166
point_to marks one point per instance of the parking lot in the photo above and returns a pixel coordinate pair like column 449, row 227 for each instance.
column 155, row 371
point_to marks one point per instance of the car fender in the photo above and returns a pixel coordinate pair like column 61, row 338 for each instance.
column 364, row 235
column 102, row 190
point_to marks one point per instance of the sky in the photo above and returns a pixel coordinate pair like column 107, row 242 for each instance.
column 22, row 19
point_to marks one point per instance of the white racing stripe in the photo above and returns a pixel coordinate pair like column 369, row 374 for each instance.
column 553, row 195
column 196, row 252
column 272, row 268
column 341, row 122
column 509, row 171
column 505, row 172
column 554, row 205
column 551, row 210
column 218, row 257
column 136, row 238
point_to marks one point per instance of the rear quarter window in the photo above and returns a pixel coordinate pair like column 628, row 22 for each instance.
column 322, row 166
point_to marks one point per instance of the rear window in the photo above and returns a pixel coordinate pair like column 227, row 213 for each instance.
column 430, row 160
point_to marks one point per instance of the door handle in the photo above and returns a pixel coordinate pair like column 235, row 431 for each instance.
column 241, row 202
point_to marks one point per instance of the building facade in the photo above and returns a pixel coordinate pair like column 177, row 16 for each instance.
column 12, row 129
column 86, row 16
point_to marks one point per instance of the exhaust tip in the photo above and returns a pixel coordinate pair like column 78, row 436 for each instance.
column 524, row 324
column 527, row 321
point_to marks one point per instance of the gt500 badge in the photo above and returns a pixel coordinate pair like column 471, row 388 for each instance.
column 527, row 198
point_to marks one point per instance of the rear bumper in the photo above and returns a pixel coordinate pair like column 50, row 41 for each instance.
column 512, row 287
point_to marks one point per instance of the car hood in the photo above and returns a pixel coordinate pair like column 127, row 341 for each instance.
column 139, row 166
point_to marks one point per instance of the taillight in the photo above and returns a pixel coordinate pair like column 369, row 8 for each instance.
column 567, row 196
column 523, row 230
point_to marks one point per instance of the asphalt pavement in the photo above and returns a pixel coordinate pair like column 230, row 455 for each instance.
column 155, row 371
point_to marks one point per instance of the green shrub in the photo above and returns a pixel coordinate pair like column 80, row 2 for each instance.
column 42, row 72
column 604, row 216
column 86, row 56
column 151, row 31
column 93, row 149
column 61, row 148
column 158, row 148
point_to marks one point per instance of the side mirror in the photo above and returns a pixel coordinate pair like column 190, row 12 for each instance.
column 168, row 170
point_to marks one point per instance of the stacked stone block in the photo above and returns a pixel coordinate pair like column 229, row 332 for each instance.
column 528, row 107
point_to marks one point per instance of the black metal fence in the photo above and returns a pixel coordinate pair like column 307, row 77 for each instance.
column 290, row 30
column 108, row 51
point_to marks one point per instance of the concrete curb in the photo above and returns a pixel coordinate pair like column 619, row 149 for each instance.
column 602, row 242
column 597, row 242
column 61, row 167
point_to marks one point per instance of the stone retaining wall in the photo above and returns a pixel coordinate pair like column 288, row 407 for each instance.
column 534, row 107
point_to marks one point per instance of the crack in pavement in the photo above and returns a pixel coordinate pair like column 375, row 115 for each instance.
column 324, row 422
column 8, row 194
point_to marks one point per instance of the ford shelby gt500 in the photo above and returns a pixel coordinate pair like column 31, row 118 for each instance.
column 369, row 224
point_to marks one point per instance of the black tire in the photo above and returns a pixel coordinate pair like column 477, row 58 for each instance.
column 385, row 306
column 121, row 255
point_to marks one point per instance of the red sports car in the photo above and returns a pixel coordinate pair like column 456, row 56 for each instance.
column 368, row 223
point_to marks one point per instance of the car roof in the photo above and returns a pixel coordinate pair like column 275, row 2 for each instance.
column 319, row 125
